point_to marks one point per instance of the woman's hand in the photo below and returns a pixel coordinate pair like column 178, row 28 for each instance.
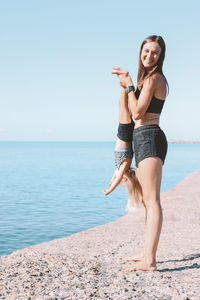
column 125, row 81
column 123, row 75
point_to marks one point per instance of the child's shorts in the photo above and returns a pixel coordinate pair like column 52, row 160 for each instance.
column 125, row 131
column 121, row 154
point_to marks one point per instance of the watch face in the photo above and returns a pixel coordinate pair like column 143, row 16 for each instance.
column 133, row 88
column 130, row 88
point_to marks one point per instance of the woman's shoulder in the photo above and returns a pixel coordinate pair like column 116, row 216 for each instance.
column 157, row 78
column 153, row 81
column 160, row 85
column 157, row 82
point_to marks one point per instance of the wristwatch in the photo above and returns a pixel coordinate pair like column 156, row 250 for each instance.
column 130, row 88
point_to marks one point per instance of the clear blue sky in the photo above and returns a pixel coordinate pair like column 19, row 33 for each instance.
column 56, row 58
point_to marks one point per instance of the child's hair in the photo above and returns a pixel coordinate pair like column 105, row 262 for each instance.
column 134, row 191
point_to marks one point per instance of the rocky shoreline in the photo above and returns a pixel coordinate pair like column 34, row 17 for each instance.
column 90, row 264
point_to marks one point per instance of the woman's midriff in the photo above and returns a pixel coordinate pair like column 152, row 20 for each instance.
column 148, row 119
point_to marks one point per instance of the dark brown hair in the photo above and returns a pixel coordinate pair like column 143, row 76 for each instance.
column 142, row 74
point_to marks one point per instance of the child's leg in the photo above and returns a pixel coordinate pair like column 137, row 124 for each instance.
column 124, row 114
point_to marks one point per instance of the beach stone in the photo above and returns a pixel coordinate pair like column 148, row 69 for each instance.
column 90, row 264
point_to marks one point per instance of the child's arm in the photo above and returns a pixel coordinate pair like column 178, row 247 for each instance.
column 114, row 176
column 115, row 181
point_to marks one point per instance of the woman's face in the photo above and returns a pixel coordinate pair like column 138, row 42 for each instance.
column 150, row 54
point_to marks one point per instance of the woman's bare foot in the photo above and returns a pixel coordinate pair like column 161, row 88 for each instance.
column 136, row 257
column 141, row 266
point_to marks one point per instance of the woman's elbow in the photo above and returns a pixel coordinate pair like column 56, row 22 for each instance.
column 137, row 116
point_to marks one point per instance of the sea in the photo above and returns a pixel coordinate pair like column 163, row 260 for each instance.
column 50, row 190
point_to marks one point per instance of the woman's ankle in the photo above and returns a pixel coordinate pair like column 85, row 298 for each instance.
column 150, row 260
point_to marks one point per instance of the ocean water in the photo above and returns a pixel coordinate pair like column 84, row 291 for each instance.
column 50, row 190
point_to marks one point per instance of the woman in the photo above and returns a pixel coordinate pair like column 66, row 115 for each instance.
column 150, row 144
column 123, row 157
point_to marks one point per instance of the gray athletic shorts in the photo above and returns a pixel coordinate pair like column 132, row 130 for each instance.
column 149, row 141
column 121, row 154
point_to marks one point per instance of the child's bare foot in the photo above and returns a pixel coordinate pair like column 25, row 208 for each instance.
column 141, row 266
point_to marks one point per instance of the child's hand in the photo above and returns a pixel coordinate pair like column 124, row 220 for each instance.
column 105, row 192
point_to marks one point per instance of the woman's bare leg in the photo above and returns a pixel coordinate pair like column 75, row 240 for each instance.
column 139, row 256
column 150, row 170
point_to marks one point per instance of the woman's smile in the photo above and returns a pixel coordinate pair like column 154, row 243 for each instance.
column 150, row 54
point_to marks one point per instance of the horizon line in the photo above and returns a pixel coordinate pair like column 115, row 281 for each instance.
column 178, row 141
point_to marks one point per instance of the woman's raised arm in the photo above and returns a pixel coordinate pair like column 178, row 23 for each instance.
column 139, row 106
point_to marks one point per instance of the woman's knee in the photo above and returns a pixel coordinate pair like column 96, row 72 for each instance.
column 151, row 200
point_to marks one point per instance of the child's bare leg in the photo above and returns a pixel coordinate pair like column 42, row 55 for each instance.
column 124, row 114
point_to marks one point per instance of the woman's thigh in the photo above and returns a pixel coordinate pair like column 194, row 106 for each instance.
column 149, row 173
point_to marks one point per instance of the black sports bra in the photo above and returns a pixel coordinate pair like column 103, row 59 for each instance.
column 155, row 106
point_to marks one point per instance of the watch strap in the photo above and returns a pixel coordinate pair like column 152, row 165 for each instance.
column 130, row 88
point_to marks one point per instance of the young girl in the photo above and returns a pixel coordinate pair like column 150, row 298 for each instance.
column 123, row 157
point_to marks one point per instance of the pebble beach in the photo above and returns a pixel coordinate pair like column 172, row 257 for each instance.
column 91, row 264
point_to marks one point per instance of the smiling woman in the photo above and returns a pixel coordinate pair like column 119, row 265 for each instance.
column 150, row 54
column 151, row 58
column 150, row 143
